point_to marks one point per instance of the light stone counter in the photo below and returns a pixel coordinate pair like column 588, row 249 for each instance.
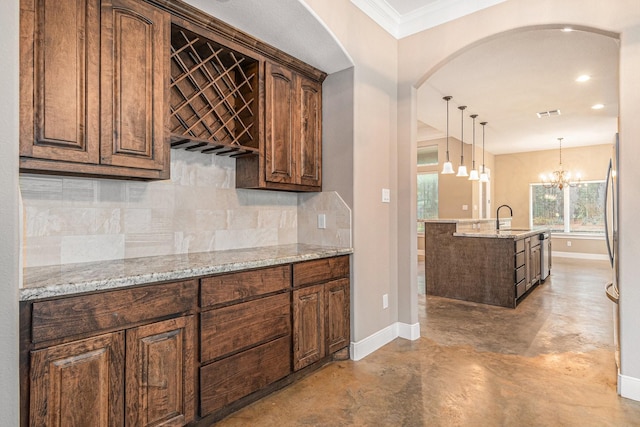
column 502, row 234
column 54, row 281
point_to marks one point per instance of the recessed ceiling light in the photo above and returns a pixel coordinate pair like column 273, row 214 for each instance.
column 583, row 78
column 567, row 29
column 597, row 107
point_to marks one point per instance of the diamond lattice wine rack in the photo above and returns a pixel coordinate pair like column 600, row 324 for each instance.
column 214, row 96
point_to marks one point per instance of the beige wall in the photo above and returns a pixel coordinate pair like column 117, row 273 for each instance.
column 375, row 152
column 514, row 173
column 9, row 226
column 423, row 53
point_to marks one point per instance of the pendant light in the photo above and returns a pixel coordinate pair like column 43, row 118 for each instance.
column 473, row 175
column 462, row 169
column 448, row 167
column 484, row 177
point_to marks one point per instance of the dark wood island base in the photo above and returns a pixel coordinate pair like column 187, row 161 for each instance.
column 488, row 267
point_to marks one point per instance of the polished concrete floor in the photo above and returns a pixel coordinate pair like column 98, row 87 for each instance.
column 549, row 362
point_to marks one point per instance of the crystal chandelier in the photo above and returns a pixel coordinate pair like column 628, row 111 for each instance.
column 559, row 178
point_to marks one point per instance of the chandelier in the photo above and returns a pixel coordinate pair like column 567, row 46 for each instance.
column 559, row 178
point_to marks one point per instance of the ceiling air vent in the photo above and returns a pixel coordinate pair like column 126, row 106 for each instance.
column 548, row 113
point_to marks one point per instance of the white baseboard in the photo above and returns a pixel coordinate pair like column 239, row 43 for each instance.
column 629, row 387
column 365, row 347
column 408, row 332
column 580, row 255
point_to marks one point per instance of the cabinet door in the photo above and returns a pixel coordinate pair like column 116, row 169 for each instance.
column 338, row 314
column 309, row 147
column 59, row 86
column 279, row 131
column 79, row 383
column 160, row 376
column 308, row 326
column 134, row 59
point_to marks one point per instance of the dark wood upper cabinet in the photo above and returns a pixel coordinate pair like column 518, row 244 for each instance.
column 133, row 62
column 291, row 156
column 279, row 152
column 93, row 88
column 59, row 80
column 309, row 132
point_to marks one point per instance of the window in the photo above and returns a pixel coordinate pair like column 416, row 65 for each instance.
column 427, row 196
column 578, row 209
column 428, row 156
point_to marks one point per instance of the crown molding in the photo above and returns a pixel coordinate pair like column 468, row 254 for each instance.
column 423, row 18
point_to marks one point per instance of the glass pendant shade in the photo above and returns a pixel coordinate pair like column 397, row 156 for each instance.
column 473, row 175
column 462, row 171
column 448, row 168
column 484, row 177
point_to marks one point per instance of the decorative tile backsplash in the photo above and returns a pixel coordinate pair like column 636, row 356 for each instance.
column 69, row 220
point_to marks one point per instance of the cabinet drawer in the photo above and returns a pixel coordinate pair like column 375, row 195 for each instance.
column 519, row 259
column 237, row 327
column 321, row 270
column 237, row 286
column 519, row 244
column 229, row 379
column 520, row 273
column 111, row 310
column 521, row 288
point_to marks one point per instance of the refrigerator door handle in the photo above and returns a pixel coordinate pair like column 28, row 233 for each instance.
column 612, row 293
column 606, row 214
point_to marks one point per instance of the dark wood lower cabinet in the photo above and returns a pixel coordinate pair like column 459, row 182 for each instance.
column 79, row 384
column 321, row 309
column 160, row 373
column 152, row 355
column 309, row 325
column 234, row 377
column 338, row 309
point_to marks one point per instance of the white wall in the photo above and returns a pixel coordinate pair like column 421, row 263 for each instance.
column 422, row 53
column 9, row 263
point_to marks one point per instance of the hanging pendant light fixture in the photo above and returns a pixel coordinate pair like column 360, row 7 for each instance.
column 484, row 177
column 473, row 175
column 448, row 167
column 559, row 178
column 462, row 169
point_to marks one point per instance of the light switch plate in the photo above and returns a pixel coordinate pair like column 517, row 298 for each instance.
column 385, row 301
column 386, row 195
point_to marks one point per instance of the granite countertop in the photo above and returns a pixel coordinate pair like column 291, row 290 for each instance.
column 514, row 233
column 60, row 280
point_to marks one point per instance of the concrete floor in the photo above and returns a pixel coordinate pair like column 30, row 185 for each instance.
column 549, row 362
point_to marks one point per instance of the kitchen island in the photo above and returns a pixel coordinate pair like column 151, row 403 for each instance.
column 471, row 260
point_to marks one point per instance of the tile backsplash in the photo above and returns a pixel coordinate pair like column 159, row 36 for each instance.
column 69, row 220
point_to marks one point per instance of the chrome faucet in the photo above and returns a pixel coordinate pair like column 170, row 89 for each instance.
column 498, row 215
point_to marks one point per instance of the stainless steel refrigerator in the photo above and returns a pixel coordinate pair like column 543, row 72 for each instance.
column 611, row 237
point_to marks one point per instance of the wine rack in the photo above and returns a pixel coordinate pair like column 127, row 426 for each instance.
column 214, row 96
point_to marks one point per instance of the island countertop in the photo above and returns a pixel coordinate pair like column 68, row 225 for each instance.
column 68, row 279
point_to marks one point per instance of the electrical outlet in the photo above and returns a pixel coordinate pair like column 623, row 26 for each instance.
column 569, row 243
column 465, row 207
column 322, row 221
column 386, row 195
column 385, row 301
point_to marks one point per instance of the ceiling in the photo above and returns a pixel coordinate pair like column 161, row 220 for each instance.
column 505, row 80
column 509, row 79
